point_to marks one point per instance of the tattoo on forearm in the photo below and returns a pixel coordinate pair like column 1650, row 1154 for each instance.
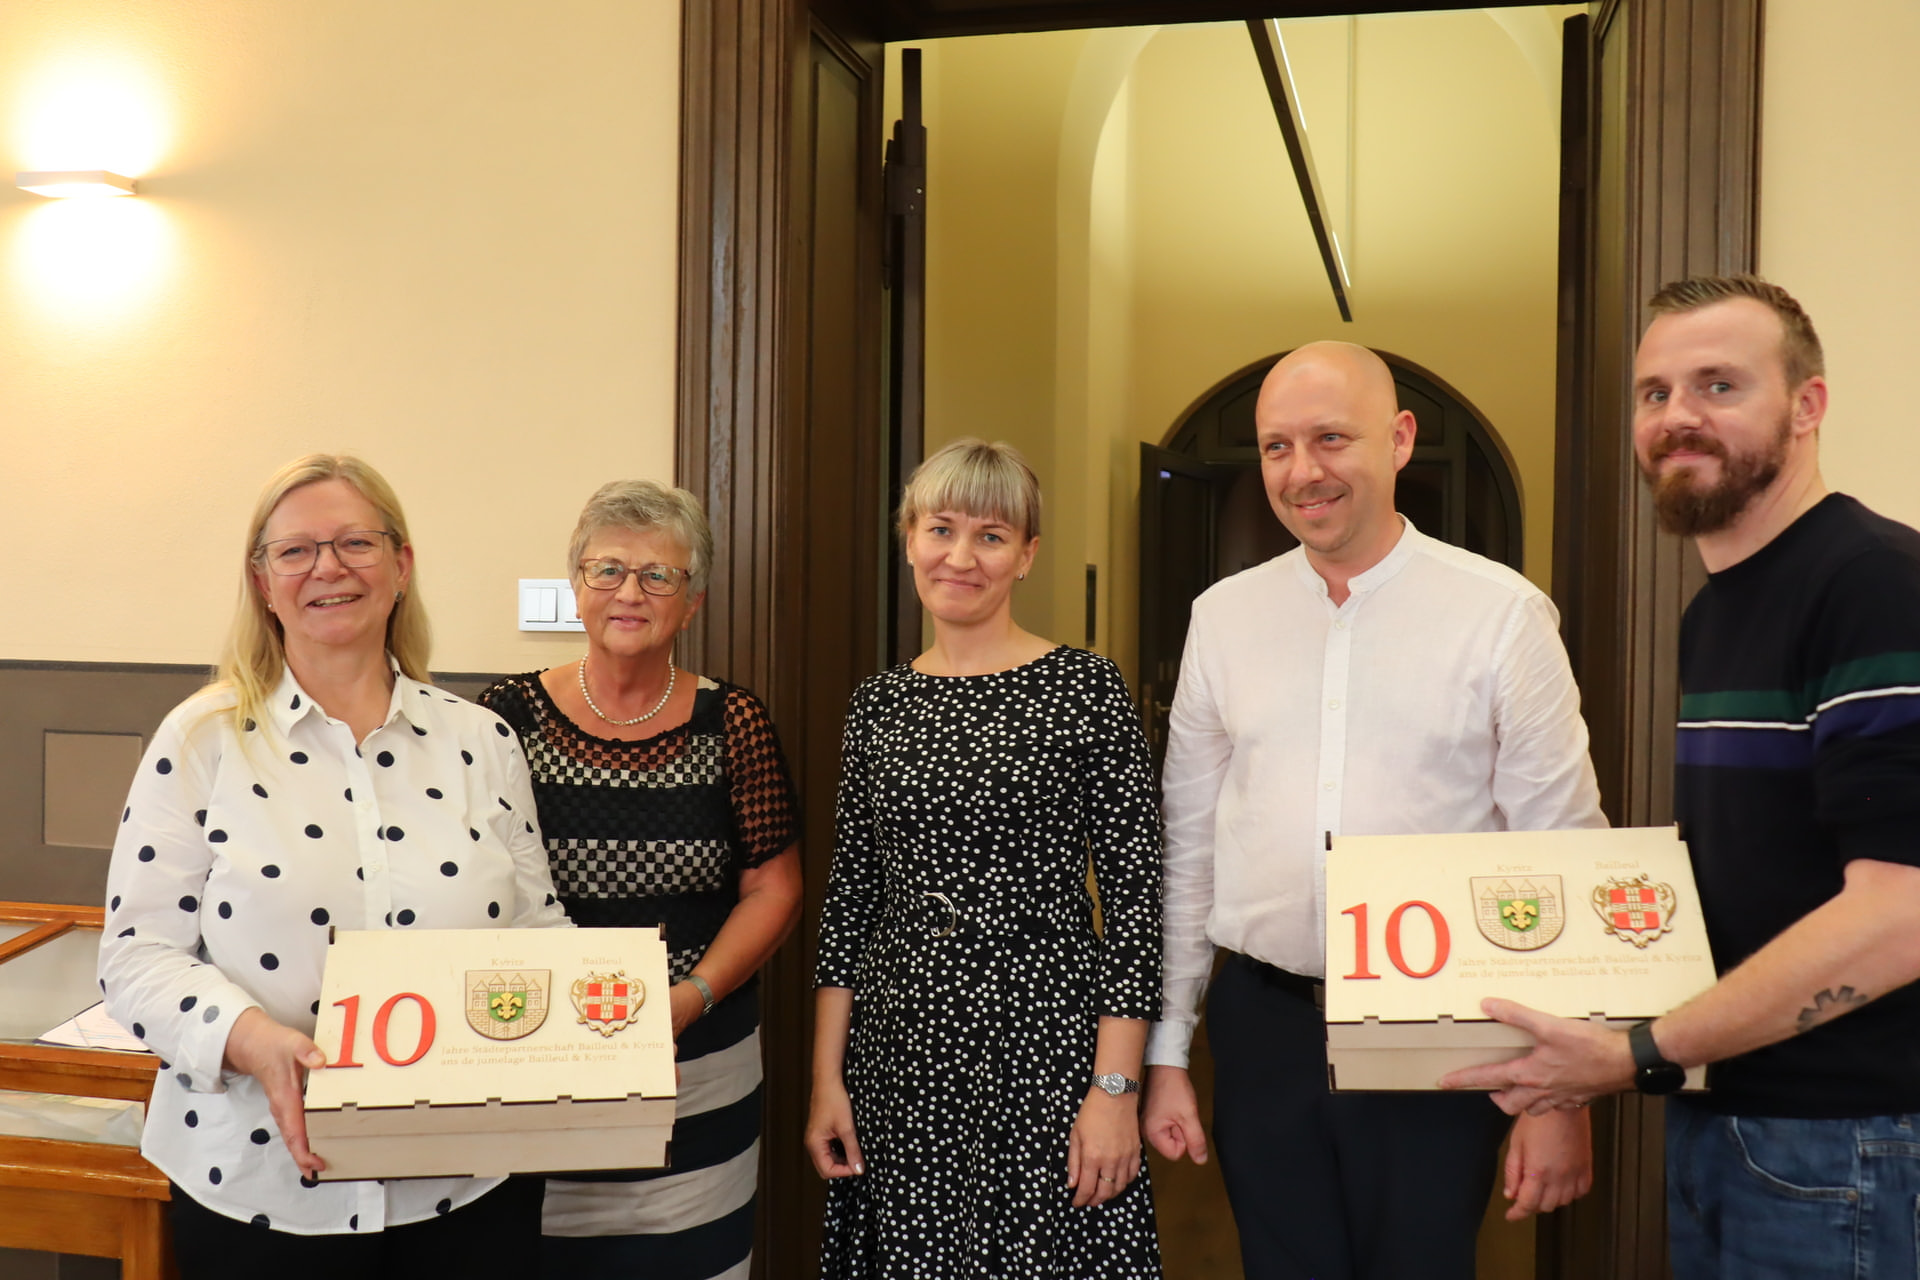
column 1828, row 1005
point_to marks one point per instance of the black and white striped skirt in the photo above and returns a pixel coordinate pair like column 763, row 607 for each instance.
column 694, row 1219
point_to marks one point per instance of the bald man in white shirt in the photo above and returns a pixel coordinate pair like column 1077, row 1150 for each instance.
column 1371, row 681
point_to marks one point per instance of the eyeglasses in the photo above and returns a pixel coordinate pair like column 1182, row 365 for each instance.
column 356, row 549
column 655, row 579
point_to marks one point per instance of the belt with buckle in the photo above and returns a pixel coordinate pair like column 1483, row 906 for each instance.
column 1297, row 985
column 933, row 914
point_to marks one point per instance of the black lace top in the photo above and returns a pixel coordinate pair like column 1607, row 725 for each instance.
column 655, row 832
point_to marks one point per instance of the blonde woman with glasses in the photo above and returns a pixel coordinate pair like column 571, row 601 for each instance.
column 665, row 801
column 319, row 782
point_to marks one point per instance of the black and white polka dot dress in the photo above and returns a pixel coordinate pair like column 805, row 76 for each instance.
column 958, row 913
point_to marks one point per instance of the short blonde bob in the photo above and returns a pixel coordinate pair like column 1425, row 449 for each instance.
column 989, row 481
column 256, row 653
column 646, row 506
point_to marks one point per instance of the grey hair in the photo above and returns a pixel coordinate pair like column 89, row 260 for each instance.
column 980, row 479
column 646, row 506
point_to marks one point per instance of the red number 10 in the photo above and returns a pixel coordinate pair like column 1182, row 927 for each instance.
column 1442, row 940
column 352, row 1005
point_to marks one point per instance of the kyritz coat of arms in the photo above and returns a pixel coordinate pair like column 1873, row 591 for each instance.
column 1636, row 910
column 608, row 1001
column 505, row 1005
column 1522, row 914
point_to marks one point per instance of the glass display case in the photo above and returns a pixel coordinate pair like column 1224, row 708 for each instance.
column 97, row 1197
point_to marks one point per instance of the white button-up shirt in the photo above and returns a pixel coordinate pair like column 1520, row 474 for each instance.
column 233, row 859
column 1437, row 699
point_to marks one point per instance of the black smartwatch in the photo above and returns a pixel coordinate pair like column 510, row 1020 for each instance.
column 1652, row 1073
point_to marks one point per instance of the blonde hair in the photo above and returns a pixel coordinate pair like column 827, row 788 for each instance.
column 645, row 506
column 980, row 479
column 256, row 654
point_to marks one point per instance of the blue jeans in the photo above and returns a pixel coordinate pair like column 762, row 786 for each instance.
column 1758, row 1196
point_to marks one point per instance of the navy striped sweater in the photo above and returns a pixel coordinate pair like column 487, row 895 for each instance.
column 1799, row 751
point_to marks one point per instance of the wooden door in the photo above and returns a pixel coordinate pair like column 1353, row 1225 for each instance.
column 905, row 178
column 1179, row 501
column 780, row 434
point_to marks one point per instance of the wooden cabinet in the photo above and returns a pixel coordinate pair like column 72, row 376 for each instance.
column 71, row 1197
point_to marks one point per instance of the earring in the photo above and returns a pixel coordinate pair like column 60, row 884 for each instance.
column 397, row 595
column 1023, row 577
column 269, row 605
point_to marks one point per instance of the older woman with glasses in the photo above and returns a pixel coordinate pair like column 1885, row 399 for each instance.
column 319, row 782
column 665, row 801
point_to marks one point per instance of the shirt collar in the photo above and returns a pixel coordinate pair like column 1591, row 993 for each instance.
column 1381, row 573
column 1390, row 564
column 289, row 704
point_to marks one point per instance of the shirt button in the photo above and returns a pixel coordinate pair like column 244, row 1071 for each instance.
column 1340, row 624
column 1333, row 704
column 1332, row 785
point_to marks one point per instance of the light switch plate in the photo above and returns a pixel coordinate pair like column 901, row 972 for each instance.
column 546, row 604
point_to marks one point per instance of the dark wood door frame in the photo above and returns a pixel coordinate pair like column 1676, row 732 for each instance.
column 1668, row 188
column 905, row 174
column 777, row 435
column 1688, row 155
column 927, row 19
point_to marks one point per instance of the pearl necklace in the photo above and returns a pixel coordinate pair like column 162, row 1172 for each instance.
column 658, row 707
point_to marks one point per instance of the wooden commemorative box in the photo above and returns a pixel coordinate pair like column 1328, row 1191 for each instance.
column 487, row 1052
column 1581, row 924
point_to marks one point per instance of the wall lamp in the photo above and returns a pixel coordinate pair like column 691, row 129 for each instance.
column 74, row 182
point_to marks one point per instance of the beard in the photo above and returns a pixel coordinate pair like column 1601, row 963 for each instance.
column 1689, row 508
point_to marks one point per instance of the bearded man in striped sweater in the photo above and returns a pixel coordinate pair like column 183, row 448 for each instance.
column 1798, row 793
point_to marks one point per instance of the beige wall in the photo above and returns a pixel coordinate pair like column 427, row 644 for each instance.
column 437, row 234
column 1838, row 190
column 449, row 243
column 1113, row 228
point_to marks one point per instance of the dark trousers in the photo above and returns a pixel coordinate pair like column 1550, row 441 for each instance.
column 1347, row 1186
column 496, row 1235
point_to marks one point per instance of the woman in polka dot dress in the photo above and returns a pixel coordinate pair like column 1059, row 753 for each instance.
column 319, row 782
column 978, row 1043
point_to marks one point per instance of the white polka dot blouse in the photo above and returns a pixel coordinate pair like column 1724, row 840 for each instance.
column 237, row 851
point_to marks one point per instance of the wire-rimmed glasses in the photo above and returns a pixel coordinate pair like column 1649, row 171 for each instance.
column 655, row 579
column 356, row 549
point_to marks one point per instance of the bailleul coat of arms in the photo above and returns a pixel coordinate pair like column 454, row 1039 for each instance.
column 1636, row 909
column 608, row 1002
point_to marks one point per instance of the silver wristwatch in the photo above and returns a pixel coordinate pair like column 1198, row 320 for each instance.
column 1116, row 1084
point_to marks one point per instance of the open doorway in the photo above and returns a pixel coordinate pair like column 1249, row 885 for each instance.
column 1112, row 226
column 1111, row 222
